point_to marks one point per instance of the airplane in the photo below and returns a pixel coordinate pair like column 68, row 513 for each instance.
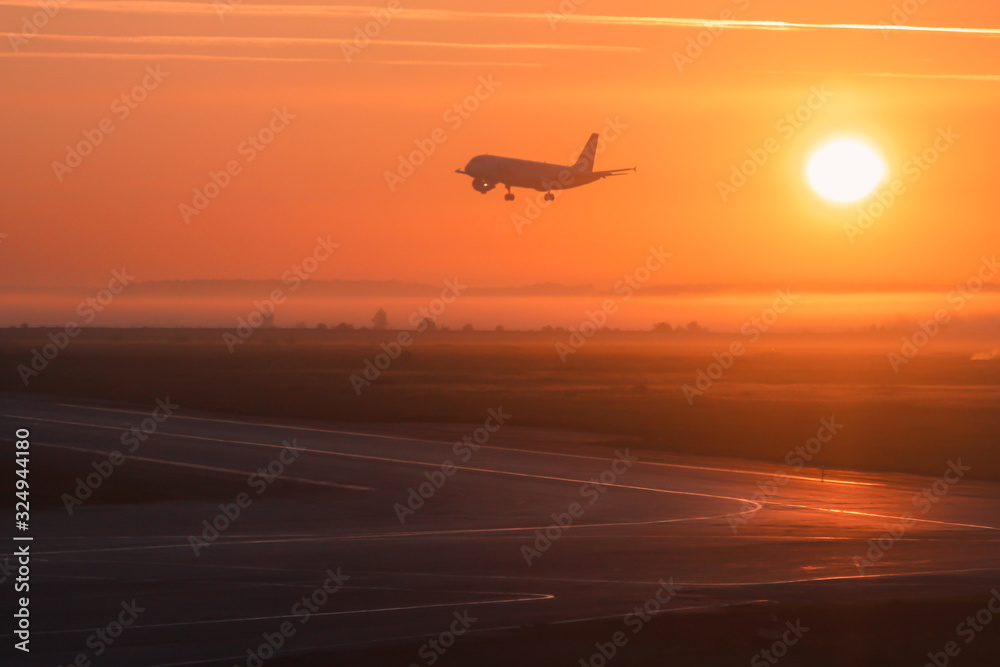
column 488, row 171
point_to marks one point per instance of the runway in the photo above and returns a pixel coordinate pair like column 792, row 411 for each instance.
column 406, row 532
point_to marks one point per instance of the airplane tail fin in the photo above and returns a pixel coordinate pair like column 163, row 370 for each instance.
column 585, row 163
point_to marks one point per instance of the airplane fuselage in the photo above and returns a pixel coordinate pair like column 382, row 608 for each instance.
column 489, row 171
column 541, row 176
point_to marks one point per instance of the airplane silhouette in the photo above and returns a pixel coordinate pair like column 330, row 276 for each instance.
column 488, row 171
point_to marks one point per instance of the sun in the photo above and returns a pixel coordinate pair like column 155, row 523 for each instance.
column 845, row 170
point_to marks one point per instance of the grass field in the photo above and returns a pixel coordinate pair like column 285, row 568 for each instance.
column 939, row 407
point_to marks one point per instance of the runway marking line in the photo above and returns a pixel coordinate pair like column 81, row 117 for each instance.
column 531, row 597
column 469, row 468
column 323, row 452
column 197, row 466
column 447, row 442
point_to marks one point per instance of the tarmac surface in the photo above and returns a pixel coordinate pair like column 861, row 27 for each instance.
column 350, row 537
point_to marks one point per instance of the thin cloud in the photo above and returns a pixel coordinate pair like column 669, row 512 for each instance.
column 892, row 75
column 208, row 56
column 960, row 77
column 225, row 40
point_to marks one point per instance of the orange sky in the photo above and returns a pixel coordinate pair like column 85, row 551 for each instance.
column 324, row 174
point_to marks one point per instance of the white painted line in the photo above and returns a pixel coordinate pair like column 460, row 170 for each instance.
column 198, row 466
column 362, row 434
column 530, row 597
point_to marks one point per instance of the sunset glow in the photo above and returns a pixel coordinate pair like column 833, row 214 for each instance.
column 142, row 138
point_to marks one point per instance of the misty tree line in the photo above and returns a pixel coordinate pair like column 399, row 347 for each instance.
column 380, row 322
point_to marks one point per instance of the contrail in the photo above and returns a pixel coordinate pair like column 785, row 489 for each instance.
column 363, row 12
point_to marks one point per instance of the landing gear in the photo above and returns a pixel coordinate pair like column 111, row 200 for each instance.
column 549, row 196
column 509, row 196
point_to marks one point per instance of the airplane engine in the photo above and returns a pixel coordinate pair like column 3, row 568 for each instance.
column 482, row 186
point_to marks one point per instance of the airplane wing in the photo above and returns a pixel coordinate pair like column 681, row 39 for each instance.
column 614, row 172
